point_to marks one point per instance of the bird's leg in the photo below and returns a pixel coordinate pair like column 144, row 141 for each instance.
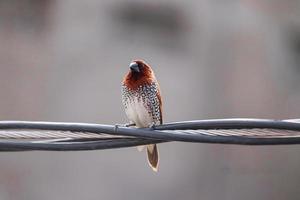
column 130, row 124
column 152, row 125
column 123, row 125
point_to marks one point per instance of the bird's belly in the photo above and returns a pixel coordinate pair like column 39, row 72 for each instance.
column 138, row 113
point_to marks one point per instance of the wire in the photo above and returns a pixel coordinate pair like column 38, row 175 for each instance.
column 54, row 136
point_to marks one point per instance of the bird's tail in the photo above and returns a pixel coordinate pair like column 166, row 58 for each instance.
column 153, row 156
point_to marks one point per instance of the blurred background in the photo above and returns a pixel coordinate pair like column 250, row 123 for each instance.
column 64, row 61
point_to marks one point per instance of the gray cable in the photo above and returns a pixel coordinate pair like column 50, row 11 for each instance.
column 53, row 136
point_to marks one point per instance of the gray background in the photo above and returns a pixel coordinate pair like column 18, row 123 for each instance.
column 64, row 61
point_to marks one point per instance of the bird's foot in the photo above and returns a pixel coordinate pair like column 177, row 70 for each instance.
column 116, row 127
column 152, row 126
column 129, row 124
column 123, row 125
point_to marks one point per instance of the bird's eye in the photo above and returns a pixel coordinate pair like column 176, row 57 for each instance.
column 141, row 65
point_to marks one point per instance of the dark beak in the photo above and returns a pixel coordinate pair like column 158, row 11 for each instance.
column 134, row 67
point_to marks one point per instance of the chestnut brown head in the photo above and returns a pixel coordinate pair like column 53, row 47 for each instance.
column 139, row 73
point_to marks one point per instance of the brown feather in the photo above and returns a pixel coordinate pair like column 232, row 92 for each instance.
column 153, row 156
column 146, row 76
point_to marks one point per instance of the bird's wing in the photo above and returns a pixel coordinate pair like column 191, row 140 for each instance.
column 160, row 105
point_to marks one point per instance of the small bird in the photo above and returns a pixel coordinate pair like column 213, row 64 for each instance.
column 142, row 102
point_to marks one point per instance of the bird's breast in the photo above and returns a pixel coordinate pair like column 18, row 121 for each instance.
column 142, row 105
column 137, row 112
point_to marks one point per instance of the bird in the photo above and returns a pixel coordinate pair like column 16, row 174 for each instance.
column 142, row 102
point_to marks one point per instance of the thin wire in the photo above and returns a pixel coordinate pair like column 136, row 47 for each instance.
column 53, row 136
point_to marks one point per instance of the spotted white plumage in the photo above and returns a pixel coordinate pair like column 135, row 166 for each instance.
column 142, row 106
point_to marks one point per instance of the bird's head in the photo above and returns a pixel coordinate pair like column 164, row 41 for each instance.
column 139, row 73
column 140, row 68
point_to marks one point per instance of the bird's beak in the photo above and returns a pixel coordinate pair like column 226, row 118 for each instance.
column 134, row 67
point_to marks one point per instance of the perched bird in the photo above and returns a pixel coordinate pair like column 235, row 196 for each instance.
column 142, row 102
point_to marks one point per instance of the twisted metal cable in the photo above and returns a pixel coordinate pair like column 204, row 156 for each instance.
column 25, row 135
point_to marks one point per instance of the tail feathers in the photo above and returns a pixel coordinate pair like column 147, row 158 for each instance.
column 153, row 156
